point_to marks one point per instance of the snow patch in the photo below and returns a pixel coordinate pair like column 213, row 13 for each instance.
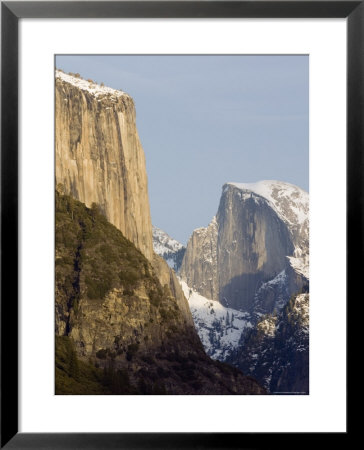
column 163, row 243
column 279, row 279
column 93, row 88
column 301, row 309
column 300, row 265
column 218, row 327
column 203, row 230
column 168, row 248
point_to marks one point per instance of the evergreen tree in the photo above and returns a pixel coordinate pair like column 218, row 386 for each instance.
column 73, row 365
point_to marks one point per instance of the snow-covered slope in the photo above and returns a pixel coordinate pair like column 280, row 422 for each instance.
column 219, row 328
column 168, row 248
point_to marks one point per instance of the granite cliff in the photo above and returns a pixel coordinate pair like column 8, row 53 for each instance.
column 122, row 322
column 251, row 263
column 99, row 157
column 119, row 329
column 254, row 253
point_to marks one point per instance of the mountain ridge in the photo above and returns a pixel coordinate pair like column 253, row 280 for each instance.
column 168, row 248
column 275, row 238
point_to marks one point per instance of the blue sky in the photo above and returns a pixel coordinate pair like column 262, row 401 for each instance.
column 207, row 120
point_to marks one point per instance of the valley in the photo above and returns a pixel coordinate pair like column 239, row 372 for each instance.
column 136, row 311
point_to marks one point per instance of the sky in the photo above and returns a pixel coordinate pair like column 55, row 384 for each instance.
column 206, row 120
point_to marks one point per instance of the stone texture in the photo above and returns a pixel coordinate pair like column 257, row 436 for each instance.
column 99, row 157
column 276, row 351
column 236, row 260
column 199, row 264
column 123, row 312
column 127, row 315
column 167, row 277
column 252, row 247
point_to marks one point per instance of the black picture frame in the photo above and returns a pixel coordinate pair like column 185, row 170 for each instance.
column 11, row 12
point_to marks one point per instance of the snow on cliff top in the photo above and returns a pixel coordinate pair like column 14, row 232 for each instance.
column 91, row 87
column 203, row 230
column 163, row 243
column 289, row 201
column 300, row 265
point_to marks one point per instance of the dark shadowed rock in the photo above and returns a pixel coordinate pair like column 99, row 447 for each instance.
column 125, row 317
column 276, row 350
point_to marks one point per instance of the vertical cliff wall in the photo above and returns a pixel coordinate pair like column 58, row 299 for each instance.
column 99, row 157
column 199, row 264
column 254, row 254
column 252, row 246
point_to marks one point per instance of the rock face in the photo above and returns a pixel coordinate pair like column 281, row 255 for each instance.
column 167, row 277
column 99, row 158
column 276, row 351
column 200, row 263
column 254, row 254
column 111, row 305
column 122, row 322
column 254, row 258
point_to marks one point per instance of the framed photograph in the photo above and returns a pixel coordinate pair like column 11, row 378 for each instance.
column 181, row 188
